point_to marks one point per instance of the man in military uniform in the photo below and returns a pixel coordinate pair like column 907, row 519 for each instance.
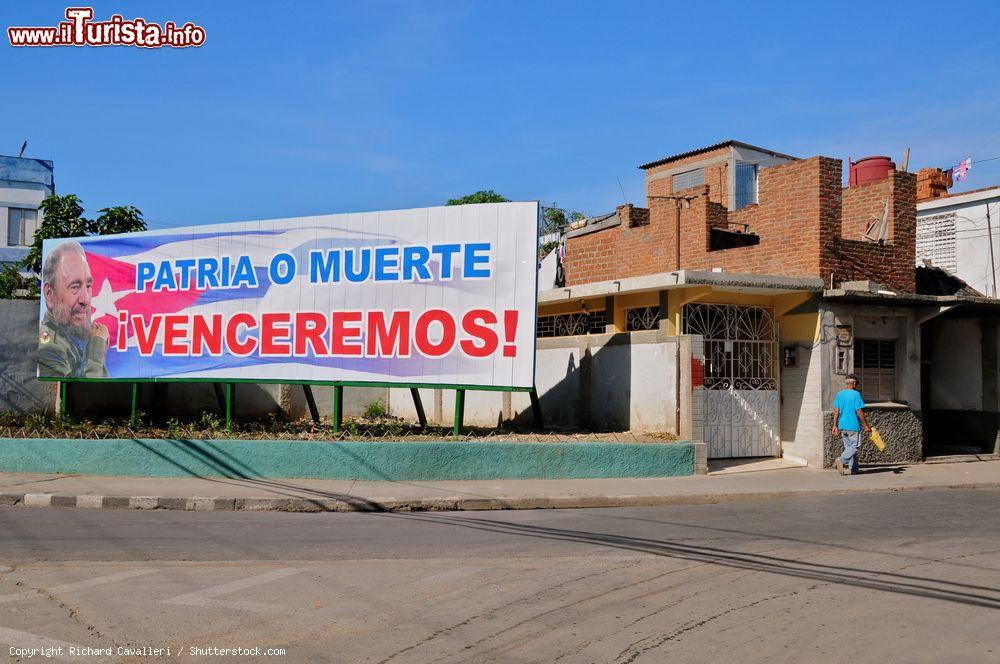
column 69, row 344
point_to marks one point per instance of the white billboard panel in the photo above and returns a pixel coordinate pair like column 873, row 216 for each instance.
column 443, row 295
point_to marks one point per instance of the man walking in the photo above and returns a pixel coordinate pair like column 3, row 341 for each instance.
column 848, row 418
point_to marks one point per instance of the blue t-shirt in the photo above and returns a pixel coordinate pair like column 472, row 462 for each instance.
column 848, row 402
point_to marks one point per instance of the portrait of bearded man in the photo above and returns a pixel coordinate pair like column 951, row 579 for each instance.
column 70, row 345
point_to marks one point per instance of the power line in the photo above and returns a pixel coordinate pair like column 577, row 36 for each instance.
column 974, row 161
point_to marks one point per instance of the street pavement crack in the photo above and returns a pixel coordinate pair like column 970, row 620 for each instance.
column 634, row 654
column 451, row 628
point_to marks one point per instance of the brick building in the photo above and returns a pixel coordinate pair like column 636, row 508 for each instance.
column 786, row 216
column 744, row 290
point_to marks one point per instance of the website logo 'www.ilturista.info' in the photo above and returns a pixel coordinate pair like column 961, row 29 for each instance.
column 80, row 30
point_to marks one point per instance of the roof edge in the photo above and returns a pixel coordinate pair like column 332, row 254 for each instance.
column 724, row 144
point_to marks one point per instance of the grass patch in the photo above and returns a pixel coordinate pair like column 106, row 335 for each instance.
column 375, row 426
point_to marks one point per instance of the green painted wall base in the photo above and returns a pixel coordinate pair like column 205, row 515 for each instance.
column 395, row 461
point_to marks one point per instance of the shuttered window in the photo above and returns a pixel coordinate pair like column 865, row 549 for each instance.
column 689, row 179
column 875, row 367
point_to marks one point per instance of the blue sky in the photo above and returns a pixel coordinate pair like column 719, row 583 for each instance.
column 337, row 106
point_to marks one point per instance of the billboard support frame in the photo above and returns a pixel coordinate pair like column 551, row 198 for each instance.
column 225, row 393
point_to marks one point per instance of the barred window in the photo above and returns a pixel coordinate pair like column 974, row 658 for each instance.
column 568, row 325
column 597, row 322
column 688, row 179
column 875, row 367
column 642, row 318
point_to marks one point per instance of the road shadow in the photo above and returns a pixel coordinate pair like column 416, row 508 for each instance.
column 875, row 470
column 902, row 584
column 228, row 469
column 235, row 472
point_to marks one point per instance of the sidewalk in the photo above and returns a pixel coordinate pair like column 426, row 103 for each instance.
column 296, row 495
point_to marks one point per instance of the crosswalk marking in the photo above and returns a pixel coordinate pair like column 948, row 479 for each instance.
column 207, row 596
column 76, row 585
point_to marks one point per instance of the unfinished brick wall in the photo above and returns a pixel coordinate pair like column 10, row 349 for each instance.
column 863, row 202
column 933, row 183
column 802, row 218
column 785, row 219
column 854, row 259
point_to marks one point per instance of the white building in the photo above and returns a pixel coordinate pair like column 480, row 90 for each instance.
column 957, row 232
column 24, row 184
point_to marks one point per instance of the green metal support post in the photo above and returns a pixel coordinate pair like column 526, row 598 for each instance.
column 459, row 411
column 220, row 396
column 419, row 406
column 134, row 414
column 311, row 402
column 63, row 390
column 338, row 407
column 230, row 405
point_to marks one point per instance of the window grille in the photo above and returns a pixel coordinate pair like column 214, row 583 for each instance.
column 740, row 345
column 936, row 241
column 568, row 325
column 875, row 367
column 642, row 318
column 688, row 179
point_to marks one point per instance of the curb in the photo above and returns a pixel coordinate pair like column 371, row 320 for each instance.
column 444, row 504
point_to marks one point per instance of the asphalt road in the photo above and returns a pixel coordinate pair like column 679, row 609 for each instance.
column 908, row 577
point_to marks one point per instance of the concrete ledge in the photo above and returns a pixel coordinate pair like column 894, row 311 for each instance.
column 457, row 503
column 378, row 461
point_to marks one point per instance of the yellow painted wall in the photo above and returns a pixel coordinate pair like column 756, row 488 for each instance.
column 797, row 327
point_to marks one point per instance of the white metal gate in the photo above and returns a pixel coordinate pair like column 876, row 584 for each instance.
column 741, row 378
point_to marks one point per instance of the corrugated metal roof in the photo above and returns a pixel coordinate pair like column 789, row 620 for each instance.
column 723, row 144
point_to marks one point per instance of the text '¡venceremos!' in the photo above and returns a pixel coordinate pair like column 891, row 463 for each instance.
column 476, row 333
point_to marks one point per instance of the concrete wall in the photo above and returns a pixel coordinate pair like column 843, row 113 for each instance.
column 370, row 460
column 879, row 322
column 970, row 241
column 20, row 392
column 901, row 428
column 607, row 382
column 293, row 403
column 901, row 423
column 964, row 406
column 957, row 378
column 802, row 404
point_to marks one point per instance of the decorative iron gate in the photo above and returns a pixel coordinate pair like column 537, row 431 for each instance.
column 741, row 378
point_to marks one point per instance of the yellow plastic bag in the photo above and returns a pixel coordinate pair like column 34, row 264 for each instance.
column 877, row 439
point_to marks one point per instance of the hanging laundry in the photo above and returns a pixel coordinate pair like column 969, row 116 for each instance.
column 961, row 171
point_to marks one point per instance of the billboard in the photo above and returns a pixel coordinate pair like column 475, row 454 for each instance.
column 443, row 295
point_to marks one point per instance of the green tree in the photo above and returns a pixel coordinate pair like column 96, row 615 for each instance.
column 488, row 196
column 555, row 218
column 62, row 216
column 11, row 282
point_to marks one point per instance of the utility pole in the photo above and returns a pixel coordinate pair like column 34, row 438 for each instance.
column 679, row 202
column 989, row 233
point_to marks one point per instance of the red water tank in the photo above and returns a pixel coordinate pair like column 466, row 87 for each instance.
column 870, row 169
